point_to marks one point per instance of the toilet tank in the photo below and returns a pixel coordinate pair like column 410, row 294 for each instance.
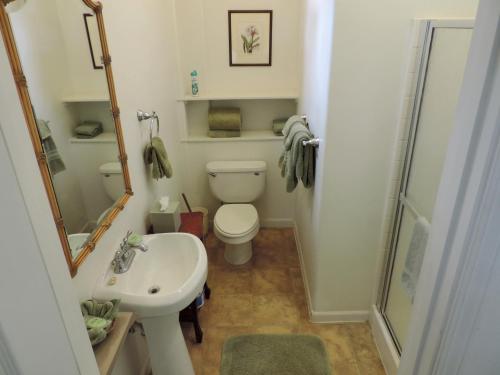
column 112, row 179
column 237, row 181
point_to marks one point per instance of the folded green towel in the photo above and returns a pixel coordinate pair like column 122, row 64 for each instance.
column 297, row 162
column 278, row 125
column 224, row 133
column 88, row 129
column 224, row 119
column 54, row 159
column 156, row 154
column 98, row 317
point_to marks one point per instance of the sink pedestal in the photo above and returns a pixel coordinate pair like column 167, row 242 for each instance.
column 167, row 348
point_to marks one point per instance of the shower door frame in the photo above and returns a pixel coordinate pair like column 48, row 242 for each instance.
column 387, row 272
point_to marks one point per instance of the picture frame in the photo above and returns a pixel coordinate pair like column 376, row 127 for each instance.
column 92, row 32
column 250, row 37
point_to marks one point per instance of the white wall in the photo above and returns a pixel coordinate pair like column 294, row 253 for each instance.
column 203, row 45
column 146, row 80
column 371, row 48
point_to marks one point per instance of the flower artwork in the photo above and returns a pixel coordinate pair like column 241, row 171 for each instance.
column 250, row 37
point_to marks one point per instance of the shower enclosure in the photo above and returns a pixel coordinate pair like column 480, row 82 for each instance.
column 441, row 65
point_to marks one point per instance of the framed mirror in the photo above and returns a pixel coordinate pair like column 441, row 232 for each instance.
column 72, row 114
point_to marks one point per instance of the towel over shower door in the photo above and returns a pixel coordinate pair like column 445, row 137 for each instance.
column 440, row 80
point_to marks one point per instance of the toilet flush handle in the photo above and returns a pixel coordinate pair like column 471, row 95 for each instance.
column 212, row 174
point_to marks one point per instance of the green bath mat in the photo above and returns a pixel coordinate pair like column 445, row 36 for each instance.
column 274, row 355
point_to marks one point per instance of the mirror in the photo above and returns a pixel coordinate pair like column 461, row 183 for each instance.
column 61, row 64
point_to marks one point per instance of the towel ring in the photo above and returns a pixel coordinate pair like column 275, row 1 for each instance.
column 142, row 116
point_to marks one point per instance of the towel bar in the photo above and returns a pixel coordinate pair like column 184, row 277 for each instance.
column 311, row 142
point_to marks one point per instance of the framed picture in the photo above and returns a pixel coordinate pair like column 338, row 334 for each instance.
column 93, row 39
column 250, row 37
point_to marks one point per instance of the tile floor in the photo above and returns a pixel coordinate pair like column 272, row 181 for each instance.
column 266, row 295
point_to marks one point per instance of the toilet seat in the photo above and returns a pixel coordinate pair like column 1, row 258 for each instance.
column 236, row 220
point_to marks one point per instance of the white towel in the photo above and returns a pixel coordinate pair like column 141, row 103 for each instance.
column 415, row 256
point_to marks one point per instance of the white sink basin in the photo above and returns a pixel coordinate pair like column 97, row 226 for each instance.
column 159, row 283
column 163, row 280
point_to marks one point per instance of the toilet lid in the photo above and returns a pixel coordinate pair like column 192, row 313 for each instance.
column 236, row 219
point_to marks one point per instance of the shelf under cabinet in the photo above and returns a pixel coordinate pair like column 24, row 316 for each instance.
column 189, row 98
column 246, row 136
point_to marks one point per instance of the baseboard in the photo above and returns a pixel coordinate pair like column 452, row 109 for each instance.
column 384, row 343
column 277, row 223
column 303, row 272
column 339, row 316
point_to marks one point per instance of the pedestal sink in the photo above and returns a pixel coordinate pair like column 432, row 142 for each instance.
column 160, row 283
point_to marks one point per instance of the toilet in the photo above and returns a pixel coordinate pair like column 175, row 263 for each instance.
column 112, row 180
column 236, row 222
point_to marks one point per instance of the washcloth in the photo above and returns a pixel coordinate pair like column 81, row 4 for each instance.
column 88, row 129
column 54, row 159
column 278, row 125
column 297, row 161
column 98, row 317
column 415, row 256
column 224, row 119
column 224, row 133
column 156, row 154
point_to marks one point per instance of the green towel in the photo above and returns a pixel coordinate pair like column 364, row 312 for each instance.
column 135, row 239
column 156, row 154
column 54, row 159
column 98, row 317
column 278, row 125
column 297, row 161
column 224, row 119
column 224, row 133
column 88, row 129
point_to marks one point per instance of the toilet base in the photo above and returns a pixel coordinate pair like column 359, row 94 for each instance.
column 238, row 254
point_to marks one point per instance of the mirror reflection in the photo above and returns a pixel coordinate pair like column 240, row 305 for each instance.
column 69, row 92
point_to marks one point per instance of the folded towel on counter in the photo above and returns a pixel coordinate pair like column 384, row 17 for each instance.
column 297, row 161
column 224, row 133
column 98, row 317
column 54, row 159
column 415, row 256
column 278, row 125
column 156, row 154
column 224, row 119
column 88, row 129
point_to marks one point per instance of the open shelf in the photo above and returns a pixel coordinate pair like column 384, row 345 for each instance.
column 208, row 97
column 101, row 138
column 85, row 99
column 246, row 136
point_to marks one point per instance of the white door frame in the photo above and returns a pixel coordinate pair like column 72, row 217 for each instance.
column 460, row 212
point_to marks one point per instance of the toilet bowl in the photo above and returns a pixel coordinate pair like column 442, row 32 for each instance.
column 236, row 222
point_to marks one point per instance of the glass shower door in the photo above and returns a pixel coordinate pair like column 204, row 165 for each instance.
column 432, row 124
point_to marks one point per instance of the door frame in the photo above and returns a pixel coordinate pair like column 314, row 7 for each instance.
column 428, row 27
column 461, row 207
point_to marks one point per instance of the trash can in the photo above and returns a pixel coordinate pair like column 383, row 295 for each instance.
column 204, row 211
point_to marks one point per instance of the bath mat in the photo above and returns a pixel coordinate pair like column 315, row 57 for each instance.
column 274, row 355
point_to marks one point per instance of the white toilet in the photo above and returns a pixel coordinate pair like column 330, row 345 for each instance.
column 236, row 223
column 112, row 180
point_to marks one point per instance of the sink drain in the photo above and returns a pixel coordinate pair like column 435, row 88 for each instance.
column 154, row 290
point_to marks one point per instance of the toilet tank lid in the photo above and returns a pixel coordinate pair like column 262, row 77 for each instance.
column 111, row 168
column 236, row 166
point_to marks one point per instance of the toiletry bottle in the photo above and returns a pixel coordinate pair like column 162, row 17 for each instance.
column 194, row 83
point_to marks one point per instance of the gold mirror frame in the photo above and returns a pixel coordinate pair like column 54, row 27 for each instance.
column 22, row 89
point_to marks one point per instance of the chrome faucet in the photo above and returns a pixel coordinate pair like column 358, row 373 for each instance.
column 125, row 255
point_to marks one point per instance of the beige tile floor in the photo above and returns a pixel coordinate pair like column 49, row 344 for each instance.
column 266, row 295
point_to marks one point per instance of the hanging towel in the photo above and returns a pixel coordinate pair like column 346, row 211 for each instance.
column 54, row 159
column 155, row 154
column 415, row 256
column 224, row 119
column 88, row 129
column 278, row 125
column 297, row 161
